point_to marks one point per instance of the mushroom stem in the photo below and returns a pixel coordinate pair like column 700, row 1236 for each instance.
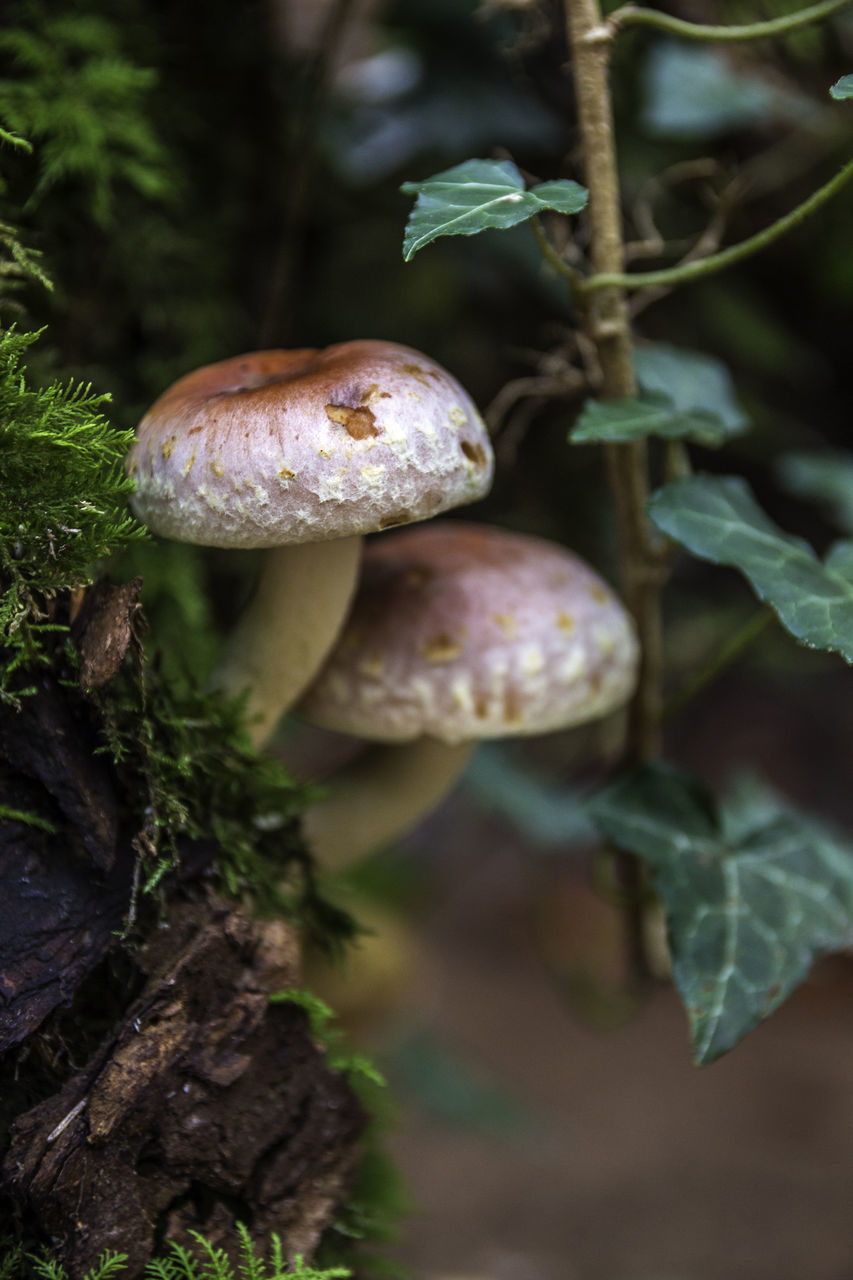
column 380, row 795
column 289, row 626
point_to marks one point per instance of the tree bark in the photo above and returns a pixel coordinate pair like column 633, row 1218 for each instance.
column 207, row 1106
column 200, row 1104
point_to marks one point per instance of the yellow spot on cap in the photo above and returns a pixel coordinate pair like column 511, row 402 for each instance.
column 216, row 467
column 512, row 708
column 189, row 466
column 603, row 637
column 460, row 692
column 441, row 648
column 565, row 621
column 458, row 416
column 286, row 474
column 167, row 447
column 507, row 624
column 372, row 665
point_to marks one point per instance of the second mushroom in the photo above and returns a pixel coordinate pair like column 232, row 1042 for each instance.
column 458, row 632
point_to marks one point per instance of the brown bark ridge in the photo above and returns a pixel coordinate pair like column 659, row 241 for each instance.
column 208, row 1106
column 65, row 866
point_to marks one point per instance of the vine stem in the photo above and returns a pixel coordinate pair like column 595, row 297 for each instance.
column 634, row 16
column 605, row 320
column 553, row 258
column 689, row 271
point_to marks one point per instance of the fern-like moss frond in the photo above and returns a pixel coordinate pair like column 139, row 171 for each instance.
column 74, row 91
column 202, row 1261
column 63, row 490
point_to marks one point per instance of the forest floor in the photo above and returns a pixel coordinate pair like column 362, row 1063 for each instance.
column 633, row 1164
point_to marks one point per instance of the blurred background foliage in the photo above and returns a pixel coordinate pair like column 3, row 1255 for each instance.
column 206, row 181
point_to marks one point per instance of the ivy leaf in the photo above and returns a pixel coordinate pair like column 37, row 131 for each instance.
column 839, row 558
column 748, row 911
column 825, row 478
column 686, row 395
column 690, row 92
column 633, row 419
column 478, row 195
column 693, row 381
column 842, row 89
column 718, row 519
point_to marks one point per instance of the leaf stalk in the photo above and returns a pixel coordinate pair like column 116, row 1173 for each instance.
column 634, row 16
column 687, row 272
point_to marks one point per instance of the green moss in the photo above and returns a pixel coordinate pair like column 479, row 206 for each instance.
column 64, row 498
column 82, row 100
column 204, row 1261
column 190, row 774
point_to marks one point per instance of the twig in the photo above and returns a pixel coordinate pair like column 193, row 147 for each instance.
column 633, row 16
column 686, row 272
column 553, row 258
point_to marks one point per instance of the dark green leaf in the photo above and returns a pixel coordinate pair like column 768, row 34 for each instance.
column 718, row 519
column 748, row 910
column 842, row 89
column 478, row 195
column 693, row 381
column 686, row 396
column 826, row 478
column 839, row 558
column 692, row 92
column 634, row 419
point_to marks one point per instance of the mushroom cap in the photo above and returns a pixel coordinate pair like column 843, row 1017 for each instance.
column 303, row 446
column 461, row 631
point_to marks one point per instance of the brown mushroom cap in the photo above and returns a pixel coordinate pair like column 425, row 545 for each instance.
column 304, row 446
column 460, row 632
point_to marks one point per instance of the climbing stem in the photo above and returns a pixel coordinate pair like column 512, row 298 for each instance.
column 634, row 16
column 553, row 258
column 605, row 319
column 606, row 322
column 608, row 280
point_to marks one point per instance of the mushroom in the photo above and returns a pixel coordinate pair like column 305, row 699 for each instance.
column 458, row 632
column 303, row 452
